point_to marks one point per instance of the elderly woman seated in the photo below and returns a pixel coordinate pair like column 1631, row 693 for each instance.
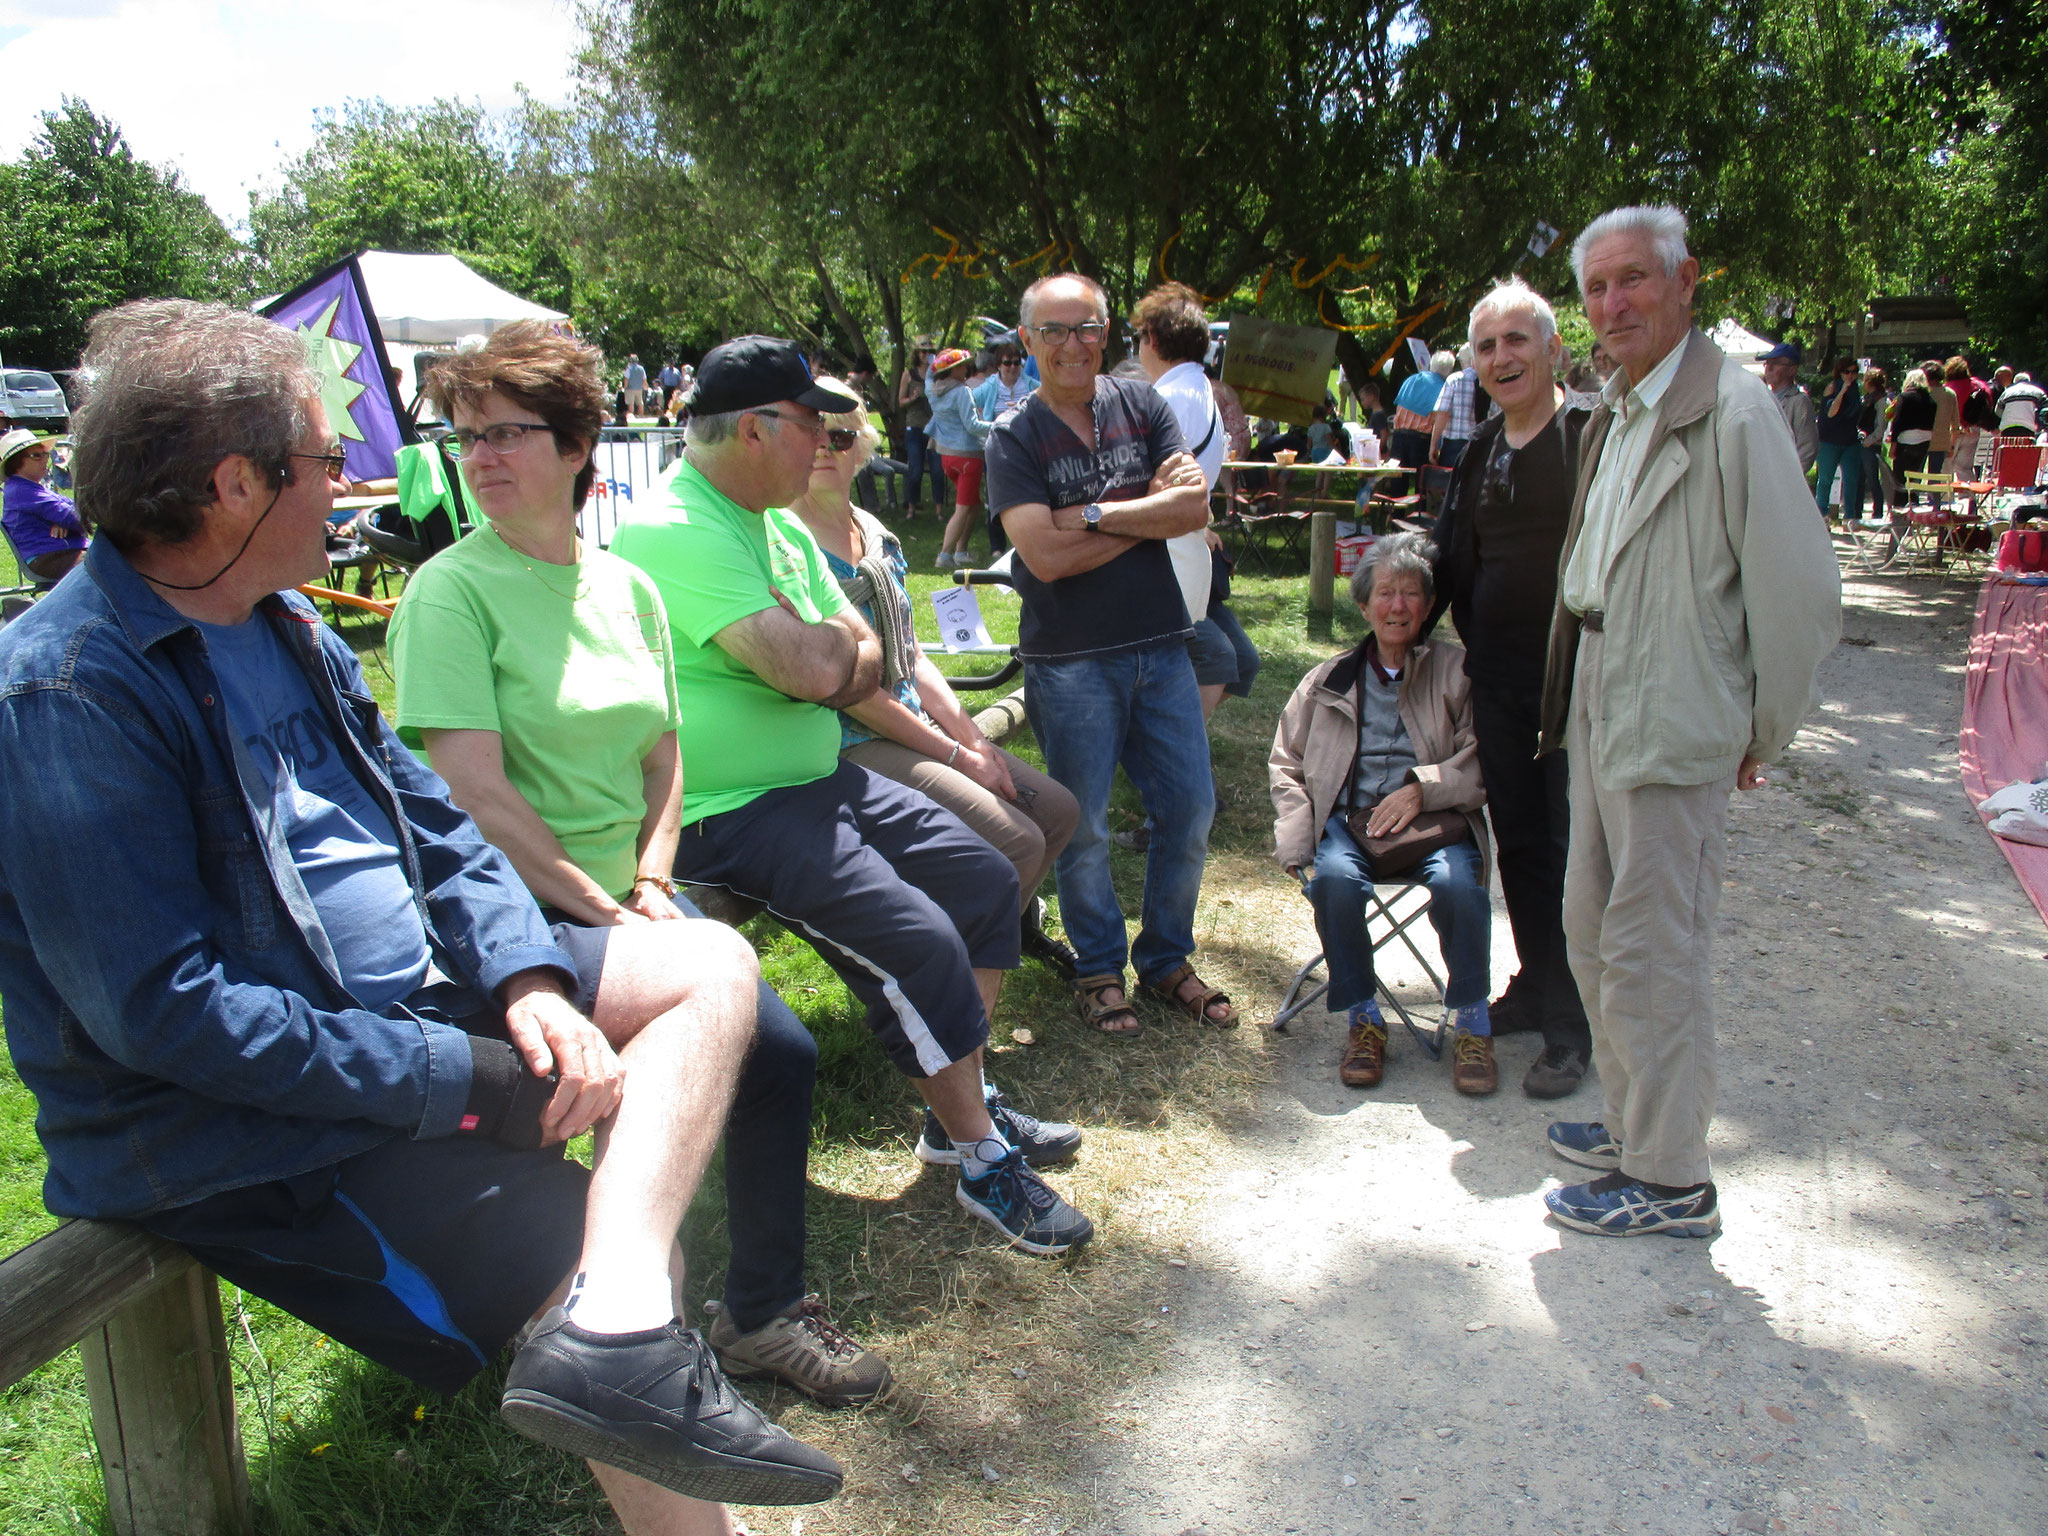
column 1375, row 777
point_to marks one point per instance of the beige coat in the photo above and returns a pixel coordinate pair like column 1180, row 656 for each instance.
column 1317, row 743
column 1723, row 596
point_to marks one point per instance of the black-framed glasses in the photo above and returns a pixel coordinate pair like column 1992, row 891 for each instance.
column 1500, row 478
column 504, row 437
column 842, row 438
column 1010, row 362
column 335, row 462
column 815, row 425
column 1054, row 334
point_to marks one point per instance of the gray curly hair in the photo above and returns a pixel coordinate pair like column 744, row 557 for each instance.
column 174, row 387
column 1399, row 554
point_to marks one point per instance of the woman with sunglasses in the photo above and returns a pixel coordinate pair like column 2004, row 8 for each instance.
column 42, row 526
column 538, row 675
column 913, row 729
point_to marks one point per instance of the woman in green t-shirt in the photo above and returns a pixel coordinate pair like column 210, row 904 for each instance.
column 537, row 674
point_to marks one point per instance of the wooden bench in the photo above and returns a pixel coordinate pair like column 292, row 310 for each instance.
column 147, row 1322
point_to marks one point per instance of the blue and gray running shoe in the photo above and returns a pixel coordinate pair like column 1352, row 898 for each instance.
column 1586, row 1143
column 1024, row 1208
column 1044, row 1143
column 1619, row 1206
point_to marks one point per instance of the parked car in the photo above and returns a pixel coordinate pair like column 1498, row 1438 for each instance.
column 31, row 398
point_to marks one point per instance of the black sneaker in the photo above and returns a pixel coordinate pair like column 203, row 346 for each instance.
column 1039, row 944
column 656, row 1404
column 1024, row 1208
column 1044, row 1143
column 1555, row 1074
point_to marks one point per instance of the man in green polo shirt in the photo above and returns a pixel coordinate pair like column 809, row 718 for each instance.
column 916, row 913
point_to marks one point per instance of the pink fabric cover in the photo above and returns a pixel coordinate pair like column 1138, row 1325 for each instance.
column 2005, row 711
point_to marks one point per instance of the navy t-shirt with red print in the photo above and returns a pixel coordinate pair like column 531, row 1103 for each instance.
column 1034, row 458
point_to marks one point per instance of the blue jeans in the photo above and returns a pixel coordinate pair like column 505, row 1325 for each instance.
column 1849, row 457
column 1458, row 911
column 1139, row 708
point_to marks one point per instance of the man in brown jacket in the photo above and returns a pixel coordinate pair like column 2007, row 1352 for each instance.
column 1697, row 596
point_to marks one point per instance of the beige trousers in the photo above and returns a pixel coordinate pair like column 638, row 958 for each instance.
column 1029, row 831
column 1642, row 886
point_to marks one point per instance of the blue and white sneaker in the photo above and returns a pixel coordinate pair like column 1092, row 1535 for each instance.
column 1024, row 1208
column 1619, row 1206
column 1044, row 1143
column 1586, row 1143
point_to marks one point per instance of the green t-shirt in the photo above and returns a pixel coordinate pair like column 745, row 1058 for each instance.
column 579, row 691
column 714, row 562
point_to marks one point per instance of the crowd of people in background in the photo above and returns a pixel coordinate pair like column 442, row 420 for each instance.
column 494, row 956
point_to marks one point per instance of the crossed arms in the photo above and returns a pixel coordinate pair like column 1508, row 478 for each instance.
column 1056, row 543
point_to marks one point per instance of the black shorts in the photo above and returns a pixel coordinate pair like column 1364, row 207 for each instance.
column 424, row 1256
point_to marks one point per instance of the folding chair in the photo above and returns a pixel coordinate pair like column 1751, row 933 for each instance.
column 1927, row 534
column 1398, row 905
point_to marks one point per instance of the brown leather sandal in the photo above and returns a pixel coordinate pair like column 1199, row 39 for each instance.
column 1097, row 1014
column 1196, row 1008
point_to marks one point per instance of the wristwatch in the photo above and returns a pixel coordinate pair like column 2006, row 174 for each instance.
column 1093, row 516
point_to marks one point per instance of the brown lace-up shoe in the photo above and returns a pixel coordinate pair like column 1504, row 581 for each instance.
column 805, row 1349
column 1365, row 1056
column 1472, row 1068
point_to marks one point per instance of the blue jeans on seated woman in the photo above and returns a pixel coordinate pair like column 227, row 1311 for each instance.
column 1458, row 911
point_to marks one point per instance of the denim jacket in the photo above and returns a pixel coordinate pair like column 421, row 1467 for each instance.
column 170, row 996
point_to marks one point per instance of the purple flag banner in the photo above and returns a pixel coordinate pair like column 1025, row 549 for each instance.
column 332, row 315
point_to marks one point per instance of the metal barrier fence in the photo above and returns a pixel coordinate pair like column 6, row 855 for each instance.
column 630, row 462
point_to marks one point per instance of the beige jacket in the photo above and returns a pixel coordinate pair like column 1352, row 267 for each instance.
column 1317, row 743
column 1723, row 596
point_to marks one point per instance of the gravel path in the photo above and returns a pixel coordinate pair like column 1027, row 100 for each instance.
column 1375, row 1326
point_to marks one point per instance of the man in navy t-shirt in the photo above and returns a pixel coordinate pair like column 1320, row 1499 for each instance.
column 1089, row 478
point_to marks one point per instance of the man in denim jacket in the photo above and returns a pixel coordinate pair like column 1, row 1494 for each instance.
column 278, row 1000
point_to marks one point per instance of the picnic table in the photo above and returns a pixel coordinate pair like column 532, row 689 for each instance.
column 1251, row 516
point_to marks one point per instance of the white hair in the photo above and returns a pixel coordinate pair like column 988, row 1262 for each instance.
column 710, row 431
column 1662, row 225
column 1465, row 355
column 1515, row 297
column 1443, row 364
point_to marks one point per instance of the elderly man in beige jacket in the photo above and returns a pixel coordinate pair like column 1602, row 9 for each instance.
column 1697, row 595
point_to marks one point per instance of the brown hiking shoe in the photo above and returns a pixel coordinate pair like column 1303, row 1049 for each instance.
column 1365, row 1056
column 805, row 1349
column 1472, row 1068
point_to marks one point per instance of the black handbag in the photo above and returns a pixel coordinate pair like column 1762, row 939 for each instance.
column 1396, row 854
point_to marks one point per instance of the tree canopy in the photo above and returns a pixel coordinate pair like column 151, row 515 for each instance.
column 85, row 225
column 853, row 181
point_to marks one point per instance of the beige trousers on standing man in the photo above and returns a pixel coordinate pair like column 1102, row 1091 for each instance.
column 1642, row 887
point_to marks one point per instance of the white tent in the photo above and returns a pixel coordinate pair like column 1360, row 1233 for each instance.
column 1743, row 345
column 437, row 300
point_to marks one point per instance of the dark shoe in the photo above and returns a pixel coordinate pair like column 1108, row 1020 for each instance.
column 1024, row 1208
column 1619, row 1206
column 1556, row 1073
column 655, row 1403
column 1585, row 1142
column 1515, row 1012
column 1365, row 1056
column 1039, row 944
column 1472, row 1068
column 1044, row 1143
column 805, row 1349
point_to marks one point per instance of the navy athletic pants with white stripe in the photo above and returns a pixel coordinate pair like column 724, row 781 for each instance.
column 895, row 892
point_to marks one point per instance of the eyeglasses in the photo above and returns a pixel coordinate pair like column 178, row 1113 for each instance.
column 841, row 438
column 1010, row 362
column 504, row 437
column 1091, row 333
column 334, row 461
column 1500, row 478
column 815, row 425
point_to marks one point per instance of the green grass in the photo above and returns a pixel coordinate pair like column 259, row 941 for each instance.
column 336, row 1445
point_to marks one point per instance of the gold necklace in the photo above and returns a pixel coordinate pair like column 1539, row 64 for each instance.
column 527, row 560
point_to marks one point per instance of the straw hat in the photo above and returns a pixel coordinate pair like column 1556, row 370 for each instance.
column 15, row 441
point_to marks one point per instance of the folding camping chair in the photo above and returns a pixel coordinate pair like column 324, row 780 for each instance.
column 1392, row 907
column 1932, row 533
